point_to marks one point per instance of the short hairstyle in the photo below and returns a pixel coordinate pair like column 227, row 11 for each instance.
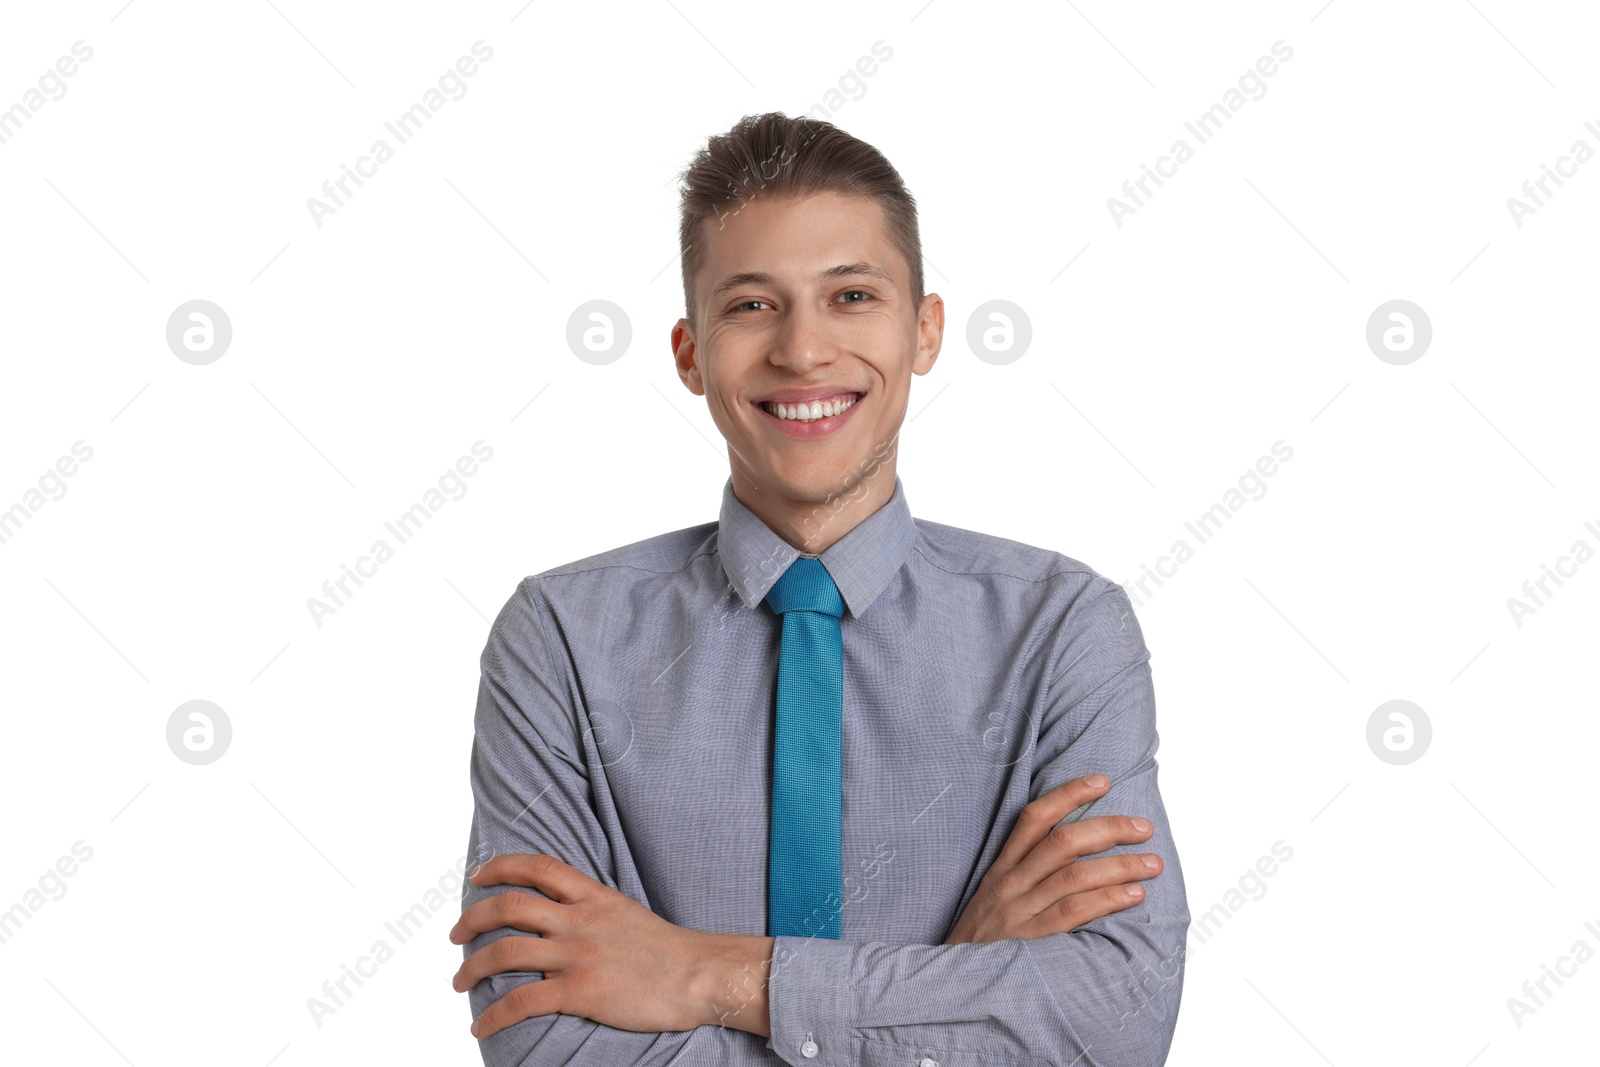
column 777, row 156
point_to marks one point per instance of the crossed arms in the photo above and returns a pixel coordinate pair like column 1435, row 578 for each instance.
column 1049, row 962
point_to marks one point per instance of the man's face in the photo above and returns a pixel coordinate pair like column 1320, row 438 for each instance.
column 801, row 301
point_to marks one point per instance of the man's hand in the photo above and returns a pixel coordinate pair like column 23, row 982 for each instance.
column 1039, row 885
column 604, row 956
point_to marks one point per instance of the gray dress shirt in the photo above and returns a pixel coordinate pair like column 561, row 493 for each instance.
column 624, row 725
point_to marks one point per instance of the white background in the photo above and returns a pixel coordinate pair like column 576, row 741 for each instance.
column 369, row 353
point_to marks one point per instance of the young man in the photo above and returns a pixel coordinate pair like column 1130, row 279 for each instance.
column 786, row 787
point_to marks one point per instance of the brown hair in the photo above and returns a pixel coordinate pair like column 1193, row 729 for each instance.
column 778, row 156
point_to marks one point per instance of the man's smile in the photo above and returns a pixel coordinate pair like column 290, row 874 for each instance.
column 809, row 413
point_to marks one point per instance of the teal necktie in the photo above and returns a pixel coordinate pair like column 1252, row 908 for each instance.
column 804, row 886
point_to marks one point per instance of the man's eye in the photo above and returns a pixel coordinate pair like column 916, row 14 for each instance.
column 747, row 303
column 856, row 292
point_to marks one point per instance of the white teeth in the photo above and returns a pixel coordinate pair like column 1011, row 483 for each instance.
column 809, row 412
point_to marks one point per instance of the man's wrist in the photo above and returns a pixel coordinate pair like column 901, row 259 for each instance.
column 730, row 981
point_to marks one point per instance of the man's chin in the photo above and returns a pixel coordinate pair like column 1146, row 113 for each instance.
column 813, row 485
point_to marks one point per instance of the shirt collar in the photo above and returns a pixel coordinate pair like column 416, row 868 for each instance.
column 860, row 563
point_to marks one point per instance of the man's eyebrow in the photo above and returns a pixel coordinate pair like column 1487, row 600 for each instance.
column 857, row 270
column 734, row 281
column 843, row 270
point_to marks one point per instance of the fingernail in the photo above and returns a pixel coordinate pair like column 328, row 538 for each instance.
column 1135, row 891
column 1140, row 825
column 474, row 872
column 1150, row 862
column 1097, row 781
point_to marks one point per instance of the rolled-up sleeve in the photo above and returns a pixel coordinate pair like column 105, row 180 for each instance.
column 1103, row 995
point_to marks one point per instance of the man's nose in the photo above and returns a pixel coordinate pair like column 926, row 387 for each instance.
column 803, row 340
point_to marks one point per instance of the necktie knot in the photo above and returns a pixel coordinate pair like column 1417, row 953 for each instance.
column 805, row 586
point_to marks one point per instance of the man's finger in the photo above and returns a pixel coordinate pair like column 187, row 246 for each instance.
column 511, row 953
column 519, row 910
column 524, row 1002
column 550, row 876
column 1086, row 875
column 1040, row 816
column 1077, row 839
column 1069, row 913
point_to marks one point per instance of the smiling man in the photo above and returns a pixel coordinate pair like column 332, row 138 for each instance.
column 808, row 784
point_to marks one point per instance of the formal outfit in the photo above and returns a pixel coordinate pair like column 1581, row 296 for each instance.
column 628, row 713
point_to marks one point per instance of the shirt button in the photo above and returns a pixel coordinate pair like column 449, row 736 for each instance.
column 928, row 1061
column 809, row 1049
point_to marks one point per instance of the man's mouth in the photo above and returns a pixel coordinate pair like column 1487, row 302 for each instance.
column 811, row 411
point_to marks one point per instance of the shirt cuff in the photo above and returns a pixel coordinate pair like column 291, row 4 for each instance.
column 808, row 1000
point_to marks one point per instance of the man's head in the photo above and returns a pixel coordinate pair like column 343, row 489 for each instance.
column 773, row 156
column 802, row 272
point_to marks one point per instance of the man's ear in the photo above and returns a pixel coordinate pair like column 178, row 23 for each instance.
column 686, row 357
column 930, row 333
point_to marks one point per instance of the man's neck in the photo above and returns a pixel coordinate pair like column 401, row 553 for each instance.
column 813, row 526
